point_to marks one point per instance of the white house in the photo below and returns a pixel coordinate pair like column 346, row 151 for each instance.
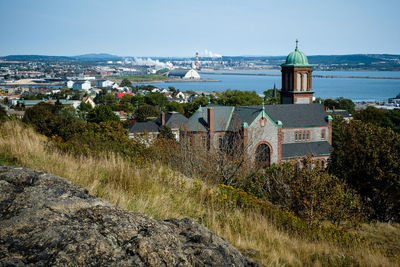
column 82, row 85
column 89, row 100
column 104, row 83
column 70, row 84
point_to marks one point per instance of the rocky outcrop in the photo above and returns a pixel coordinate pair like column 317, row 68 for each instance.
column 47, row 220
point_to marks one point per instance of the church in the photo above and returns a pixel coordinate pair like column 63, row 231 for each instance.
column 270, row 133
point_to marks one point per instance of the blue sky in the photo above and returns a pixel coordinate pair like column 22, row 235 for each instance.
column 182, row 27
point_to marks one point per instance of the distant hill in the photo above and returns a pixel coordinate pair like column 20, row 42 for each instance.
column 321, row 62
column 36, row 58
column 355, row 61
column 98, row 56
column 85, row 57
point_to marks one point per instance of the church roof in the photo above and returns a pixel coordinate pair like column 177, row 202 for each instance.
column 174, row 120
column 295, row 150
column 228, row 118
column 198, row 122
column 296, row 59
column 298, row 115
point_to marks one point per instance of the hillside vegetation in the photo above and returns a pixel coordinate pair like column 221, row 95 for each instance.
column 272, row 236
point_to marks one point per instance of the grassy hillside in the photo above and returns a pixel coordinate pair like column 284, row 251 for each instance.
column 162, row 193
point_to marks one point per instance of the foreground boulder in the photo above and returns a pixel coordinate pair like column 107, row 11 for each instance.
column 47, row 220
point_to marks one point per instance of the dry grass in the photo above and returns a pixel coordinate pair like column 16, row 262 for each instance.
column 161, row 193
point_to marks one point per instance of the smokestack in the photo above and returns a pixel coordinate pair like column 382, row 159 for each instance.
column 162, row 118
column 333, row 108
column 210, row 118
column 197, row 61
column 326, row 108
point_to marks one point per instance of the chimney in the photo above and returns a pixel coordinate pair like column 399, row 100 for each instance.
column 162, row 118
column 210, row 119
column 333, row 108
column 326, row 108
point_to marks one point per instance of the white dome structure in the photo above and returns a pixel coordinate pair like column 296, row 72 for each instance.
column 192, row 74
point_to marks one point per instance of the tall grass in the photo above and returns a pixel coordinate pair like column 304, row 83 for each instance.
column 162, row 193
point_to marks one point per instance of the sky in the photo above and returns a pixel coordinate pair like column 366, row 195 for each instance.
column 170, row 28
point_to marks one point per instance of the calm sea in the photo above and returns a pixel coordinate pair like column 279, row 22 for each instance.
column 357, row 89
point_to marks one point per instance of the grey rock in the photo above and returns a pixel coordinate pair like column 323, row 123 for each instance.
column 47, row 220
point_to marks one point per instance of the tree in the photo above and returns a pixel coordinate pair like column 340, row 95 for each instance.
column 272, row 96
column 137, row 100
column 156, row 99
column 101, row 114
column 346, row 104
column 310, row 192
column 3, row 114
column 175, row 106
column 340, row 103
column 42, row 117
column 172, row 89
column 126, row 99
column 85, row 107
column 367, row 157
column 145, row 111
column 380, row 117
column 166, row 132
column 191, row 108
column 109, row 99
column 239, row 98
column 126, row 82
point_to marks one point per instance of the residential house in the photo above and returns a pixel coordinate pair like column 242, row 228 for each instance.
column 89, row 100
column 104, row 83
column 70, row 84
column 147, row 132
column 82, row 85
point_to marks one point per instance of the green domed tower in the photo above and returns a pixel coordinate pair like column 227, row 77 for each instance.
column 296, row 79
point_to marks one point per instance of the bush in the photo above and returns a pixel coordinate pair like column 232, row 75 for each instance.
column 367, row 157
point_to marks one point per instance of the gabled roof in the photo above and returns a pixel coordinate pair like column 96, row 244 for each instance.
column 149, row 126
column 295, row 150
column 174, row 120
column 228, row 118
column 243, row 114
column 298, row 115
column 198, row 122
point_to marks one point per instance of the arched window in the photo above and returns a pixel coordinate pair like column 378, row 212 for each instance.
column 286, row 81
column 323, row 133
column 298, row 82
column 305, row 81
column 323, row 163
column 263, row 155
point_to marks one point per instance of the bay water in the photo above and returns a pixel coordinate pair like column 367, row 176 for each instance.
column 356, row 89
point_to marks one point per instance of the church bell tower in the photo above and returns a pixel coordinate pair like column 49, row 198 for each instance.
column 296, row 79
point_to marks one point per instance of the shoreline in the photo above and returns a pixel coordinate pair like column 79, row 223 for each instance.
column 177, row 81
column 314, row 76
